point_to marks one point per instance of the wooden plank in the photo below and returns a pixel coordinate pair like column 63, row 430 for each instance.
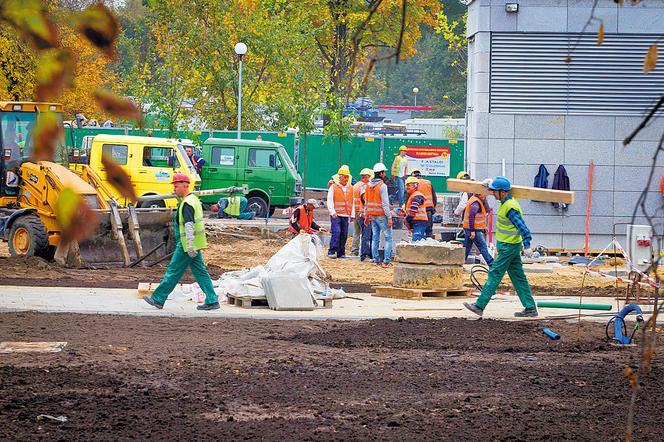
column 418, row 294
column 522, row 192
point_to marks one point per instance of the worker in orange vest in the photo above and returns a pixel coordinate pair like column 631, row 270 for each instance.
column 416, row 213
column 474, row 226
column 302, row 219
column 342, row 210
column 361, row 235
column 430, row 199
column 377, row 212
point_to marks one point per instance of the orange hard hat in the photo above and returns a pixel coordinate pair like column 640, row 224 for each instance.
column 180, row 178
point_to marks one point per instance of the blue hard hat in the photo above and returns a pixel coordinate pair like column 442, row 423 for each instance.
column 500, row 183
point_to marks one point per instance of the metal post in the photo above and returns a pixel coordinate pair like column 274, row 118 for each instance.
column 239, row 102
column 415, row 100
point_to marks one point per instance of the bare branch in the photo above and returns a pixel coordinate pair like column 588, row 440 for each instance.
column 645, row 121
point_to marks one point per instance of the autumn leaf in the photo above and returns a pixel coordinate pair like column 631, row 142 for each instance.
column 115, row 105
column 600, row 35
column 568, row 59
column 46, row 136
column 75, row 218
column 29, row 17
column 118, row 178
column 55, row 72
column 650, row 61
column 99, row 25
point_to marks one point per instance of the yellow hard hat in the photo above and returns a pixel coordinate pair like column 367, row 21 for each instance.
column 403, row 148
column 367, row 171
column 344, row 170
column 462, row 174
column 412, row 180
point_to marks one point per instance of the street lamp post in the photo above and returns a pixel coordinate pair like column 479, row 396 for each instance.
column 415, row 91
column 240, row 50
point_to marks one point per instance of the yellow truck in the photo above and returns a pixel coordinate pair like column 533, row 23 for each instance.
column 149, row 161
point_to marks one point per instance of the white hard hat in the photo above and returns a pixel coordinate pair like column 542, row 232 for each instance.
column 379, row 167
column 313, row 202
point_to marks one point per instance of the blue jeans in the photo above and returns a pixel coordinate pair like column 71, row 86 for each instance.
column 379, row 223
column 430, row 212
column 419, row 229
column 365, row 247
column 480, row 243
column 401, row 189
column 339, row 227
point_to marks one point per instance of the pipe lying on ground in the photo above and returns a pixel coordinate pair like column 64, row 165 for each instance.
column 574, row 305
column 550, row 333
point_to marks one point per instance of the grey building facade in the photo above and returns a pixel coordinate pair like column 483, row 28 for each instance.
column 527, row 106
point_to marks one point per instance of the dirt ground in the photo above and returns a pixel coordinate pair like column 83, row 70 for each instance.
column 169, row 379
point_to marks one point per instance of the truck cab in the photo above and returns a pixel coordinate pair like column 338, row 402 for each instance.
column 264, row 166
column 149, row 161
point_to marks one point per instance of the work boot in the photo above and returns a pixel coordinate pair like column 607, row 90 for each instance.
column 332, row 256
column 152, row 302
column 387, row 264
column 527, row 313
column 213, row 306
column 474, row 308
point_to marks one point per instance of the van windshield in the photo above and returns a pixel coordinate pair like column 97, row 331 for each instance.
column 286, row 158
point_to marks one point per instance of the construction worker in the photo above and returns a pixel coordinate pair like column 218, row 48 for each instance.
column 234, row 206
column 474, row 226
column 302, row 219
column 430, row 199
column 400, row 173
column 196, row 161
column 342, row 210
column 335, row 177
column 463, row 196
column 416, row 214
column 377, row 212
column 361, row 235
column 190, row 240
column 512, row 235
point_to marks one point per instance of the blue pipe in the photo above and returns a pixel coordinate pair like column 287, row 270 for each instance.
column 550, row 333
column 619, row 323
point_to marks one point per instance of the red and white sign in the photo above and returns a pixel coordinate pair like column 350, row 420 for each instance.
column 429, row 160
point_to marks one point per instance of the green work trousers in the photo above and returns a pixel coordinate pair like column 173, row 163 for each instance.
column 508, row 260
column 176, row 268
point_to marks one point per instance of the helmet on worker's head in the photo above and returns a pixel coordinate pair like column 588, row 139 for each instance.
column 379, row 167
column 344, row 170
column 367, row 171
column 416, row 172
column 412, row 180
column 313, row 202
column 180, row 178
column 500, row 183
column 402, row 148
column 463, row 175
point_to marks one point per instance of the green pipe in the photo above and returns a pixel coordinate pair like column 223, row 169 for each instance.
column 574, row 305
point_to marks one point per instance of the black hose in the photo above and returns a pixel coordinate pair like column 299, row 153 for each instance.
column 479, row 268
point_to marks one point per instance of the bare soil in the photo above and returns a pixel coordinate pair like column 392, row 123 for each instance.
column 192, row 379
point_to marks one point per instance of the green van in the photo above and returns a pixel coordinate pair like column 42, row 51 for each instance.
column 264, row 166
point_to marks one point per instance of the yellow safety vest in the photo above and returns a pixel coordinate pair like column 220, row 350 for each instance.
column 199, row 227
column 506, row 231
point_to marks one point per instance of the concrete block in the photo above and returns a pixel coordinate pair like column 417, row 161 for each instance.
column 588, row 127
column 481, row 42
column 626, row 125
column 602, row 177
column 544, row 224
column 590, row 3
column 478, row 150
column 479, row 19
column 637, row 153
column 577, row 241
column 501, row 126
column 624, row 203
column 548, row 240
column 480, row 101
column 634, row 178
column 495, row 170
column 633, row 20
column 577, row 224
column 542, row 18
column 502, row 21
column 479, row 170
column 536, row 152
column 580, row 152
column 424, row 254
column 500, row 148
column 479, row 124
column 481, row 81
column 524, row 174
column 602, row 203
column 577, row 16
column 480, row 64
column 427, row 276
column 539, row 208
column 541, row 127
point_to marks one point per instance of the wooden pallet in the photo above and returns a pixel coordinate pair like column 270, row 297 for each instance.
column 146, row 288
column 388, row 291
column 261, row 302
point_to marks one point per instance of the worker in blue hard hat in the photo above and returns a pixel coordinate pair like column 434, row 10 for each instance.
column 512, row 235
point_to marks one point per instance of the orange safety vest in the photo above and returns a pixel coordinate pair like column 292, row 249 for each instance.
column 304, row 221
column 421, row 214
column 357, row 200
column 480, row 217
column 425, row 187
column 343, row 202
column 374, row 205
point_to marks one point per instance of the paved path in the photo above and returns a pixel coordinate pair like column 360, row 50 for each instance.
column 360, row 306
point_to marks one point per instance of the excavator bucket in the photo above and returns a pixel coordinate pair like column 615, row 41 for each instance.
column 124, row 237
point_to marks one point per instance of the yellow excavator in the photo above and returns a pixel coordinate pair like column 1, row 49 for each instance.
column 28, row 197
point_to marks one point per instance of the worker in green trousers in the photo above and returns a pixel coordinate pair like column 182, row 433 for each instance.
column 190, row 240
column 512, row 235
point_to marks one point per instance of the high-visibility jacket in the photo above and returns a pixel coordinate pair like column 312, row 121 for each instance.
column 199, row 227
column 506, row 231
column 425, row 187
column 343, row 201
column 480, row 216
column 233, row 207
column 304, row 219
column 373, row 202
column 421, row 214
column 357, row 200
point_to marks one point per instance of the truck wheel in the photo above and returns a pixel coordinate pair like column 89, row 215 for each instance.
column 257, row 205
column 28, row 237
column 272, row 209
column 158, row 204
